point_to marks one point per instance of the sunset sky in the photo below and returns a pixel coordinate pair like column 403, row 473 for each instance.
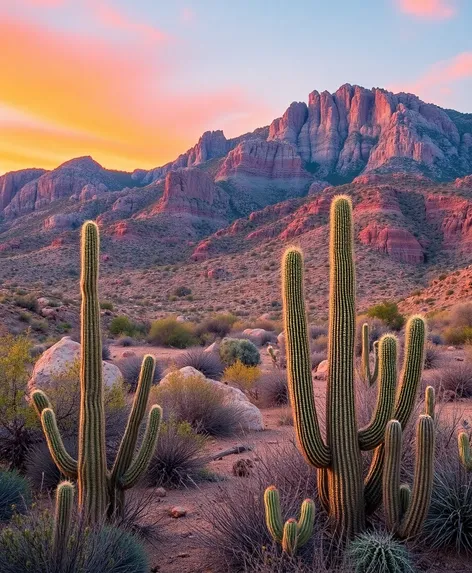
column 135, row 82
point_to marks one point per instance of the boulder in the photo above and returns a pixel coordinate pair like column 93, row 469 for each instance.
column 258, row 335
column 322, row 370
column 58, row 359
column 250, row 415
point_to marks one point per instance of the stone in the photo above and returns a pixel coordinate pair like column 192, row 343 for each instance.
column 258, row 335
column 160, row 492
column 58, row 358
column 249, row 415
column 322, row 370
column 214, row 347
column 178, row 511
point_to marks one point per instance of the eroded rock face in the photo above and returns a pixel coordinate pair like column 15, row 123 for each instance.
column 192, row 193
column 250, row 416
column 270, row 160
column 58, row 359
column 63, row 222
column 454, row 216
column 12, row 182
column 399, row 244
column 357, row 129
column 67, row 181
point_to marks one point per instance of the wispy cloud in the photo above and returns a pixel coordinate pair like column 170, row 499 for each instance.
column 188, row 15
column 429, row 9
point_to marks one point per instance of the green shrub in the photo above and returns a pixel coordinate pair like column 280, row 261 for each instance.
column 218, row 325
column 106, row 305
column 388, row 313
column 170, row 332
column 28, row 301
column 122, row 325
column 26, row 546
column 182, row 291
column 379, row 552
column 15, row 494
column 232, row 349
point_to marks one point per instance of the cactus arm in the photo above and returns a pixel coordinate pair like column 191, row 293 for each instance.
column 429, row 401
column 40, row 402
column 405, row 498
column 415, row 335
column 62, row 519
column 306, row 522
column 423, row 482
column 273, row 513
column 141, row 461
column 391, row 475
column 290, row 537
column 367, row 375
column 323, row 488
column 127, row 447
column 66, row 463
column 93, row 487
column 373, row 434
column 300, row 383
column 464, row 450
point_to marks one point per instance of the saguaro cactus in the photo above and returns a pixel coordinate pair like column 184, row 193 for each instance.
column 465, row 453
column 292, row 534
column 340, row 482
column 406, row 510
column 100, row 491
column 62, row 519
column 369, row 376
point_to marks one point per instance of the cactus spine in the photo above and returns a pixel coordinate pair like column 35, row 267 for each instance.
column 292, row 534
column 99, row 491
column 406, row 511
column 340, row 484
column 62, row 519
column 369, row 376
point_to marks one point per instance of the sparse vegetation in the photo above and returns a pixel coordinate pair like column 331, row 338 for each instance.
column 387, row 311
column 208, row 363
column 233, row 349
column 170, row 332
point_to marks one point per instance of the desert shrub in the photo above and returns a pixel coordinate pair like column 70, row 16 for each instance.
column 218, row 325
column 387, row 312
column 242, row 376
column 449, row 521
column 269, row 325
column 122, row 325
column 130, row 367
column 208, row 363
column 380, row 552
column 460, row 315
column 26, row 545
column 317, row 330
column 106, row 305
column 15, row 494
column 125, row 341
column 19, row 427
column 232, row 349
column 454, row 381
column 181, row 291
column 200, row 403
column 320, row 344
column 106, row 354
column 433, row 357
column 234, row 526
column 170, row 332
column 316, row 358
column 178, row 459
column 272, row 389
column 457, row 335
column 28, row 301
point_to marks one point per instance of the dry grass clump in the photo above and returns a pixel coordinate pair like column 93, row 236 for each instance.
column 208, row 363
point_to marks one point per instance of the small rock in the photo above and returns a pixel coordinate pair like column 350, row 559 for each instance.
column 177, row 512
column 128, row 353
column 160, row 492
column 451, row 348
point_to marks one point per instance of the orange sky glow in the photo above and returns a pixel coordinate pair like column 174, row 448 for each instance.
column 63, row 95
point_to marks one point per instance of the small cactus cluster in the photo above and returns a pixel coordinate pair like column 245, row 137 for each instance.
column 100, row 491
column 343, row 492
column 293, row 533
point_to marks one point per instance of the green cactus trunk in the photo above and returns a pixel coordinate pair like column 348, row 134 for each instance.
column 100, row 493
column 345, row 487
column 62, row 519
column 340, row 482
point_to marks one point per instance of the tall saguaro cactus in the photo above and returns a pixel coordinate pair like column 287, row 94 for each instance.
column 99, row 491
column 340, row 482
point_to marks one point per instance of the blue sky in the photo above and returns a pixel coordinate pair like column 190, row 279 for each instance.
column 152, row 74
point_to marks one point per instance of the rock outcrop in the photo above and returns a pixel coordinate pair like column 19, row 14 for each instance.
column 192, row 193
column 12, row 182
column 357, row 129
column 399, row 244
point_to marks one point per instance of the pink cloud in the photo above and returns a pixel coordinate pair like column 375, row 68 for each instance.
column 188, row 15
column 115, row 18
column 45, row 3
column 431, row 9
